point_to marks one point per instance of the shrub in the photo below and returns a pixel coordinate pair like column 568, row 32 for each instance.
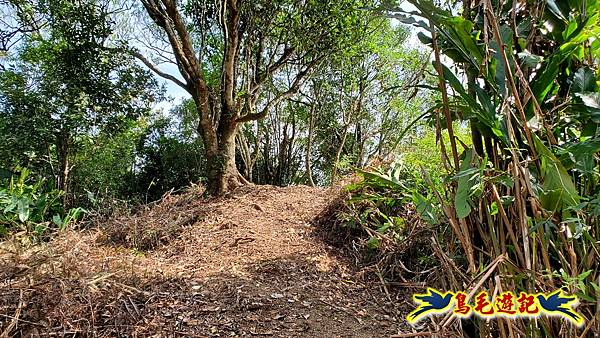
column 31, row 206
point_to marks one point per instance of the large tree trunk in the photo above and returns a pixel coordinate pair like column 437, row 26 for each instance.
column 223, row 175
column 219, row 147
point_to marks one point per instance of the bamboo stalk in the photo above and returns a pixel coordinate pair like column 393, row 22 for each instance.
column 443, row 89
column 457, row 226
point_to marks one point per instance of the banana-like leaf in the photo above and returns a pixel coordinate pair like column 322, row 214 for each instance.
column 497, row 75
column 484, row 111
column 382, row 180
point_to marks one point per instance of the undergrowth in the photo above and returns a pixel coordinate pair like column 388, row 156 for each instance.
column 32, row 209
column 389, row 225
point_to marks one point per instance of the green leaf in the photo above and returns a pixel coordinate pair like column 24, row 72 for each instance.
column 459, row 31
column 425, row 39
column 57, row 220
column 382, row 229
column 559, row 191
column 40, row 229
column 580, row 155
column 585, row 297
column 11, row 205
column 424, row 208
column 484, row 112
column 23, row 209
column 373, row 243
column 486, row 103
column 584, row 80
column 545, row 80
column 584, row 275
column 462, row 200
column 591, row 100
column 382, row 180
column 530, row 60
column 453, row 30
column 4, row 173
column 493, row 208
column 554, row 9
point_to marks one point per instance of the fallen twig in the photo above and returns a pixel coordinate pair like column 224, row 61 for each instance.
column 15, row 318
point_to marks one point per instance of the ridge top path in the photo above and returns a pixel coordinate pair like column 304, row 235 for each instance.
column 241, row 266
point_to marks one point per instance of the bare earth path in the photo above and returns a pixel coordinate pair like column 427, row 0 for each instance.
column 247, row 265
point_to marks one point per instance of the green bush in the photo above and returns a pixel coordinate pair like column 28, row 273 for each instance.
column 30, row 206
column 381, row 199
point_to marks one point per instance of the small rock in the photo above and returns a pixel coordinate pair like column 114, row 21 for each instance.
column 277, row 295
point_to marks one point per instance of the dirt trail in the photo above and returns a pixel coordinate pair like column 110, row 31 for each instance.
column 246, row 265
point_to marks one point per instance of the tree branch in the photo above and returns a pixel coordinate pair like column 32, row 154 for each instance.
column 165, row 15
column 284, row 95
column 230, row 52
column 157, row 71
column 271, row 68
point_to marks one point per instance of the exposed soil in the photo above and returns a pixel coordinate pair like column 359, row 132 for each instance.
column 250, row 264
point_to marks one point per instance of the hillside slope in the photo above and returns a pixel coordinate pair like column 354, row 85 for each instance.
column 246, row 265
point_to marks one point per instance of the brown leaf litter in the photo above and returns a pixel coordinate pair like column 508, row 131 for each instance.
column 250, row 264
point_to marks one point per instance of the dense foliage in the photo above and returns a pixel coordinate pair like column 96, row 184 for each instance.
column 521, row 201
column 65, row 87
column 32, row 208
